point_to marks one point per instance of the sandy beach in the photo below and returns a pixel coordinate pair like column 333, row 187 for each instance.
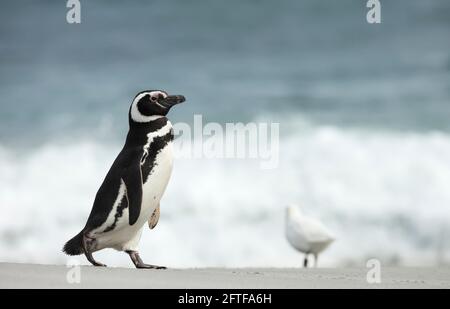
column 55, row 276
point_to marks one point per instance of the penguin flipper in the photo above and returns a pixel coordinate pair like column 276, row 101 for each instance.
column 133, row 182
column 153, row 221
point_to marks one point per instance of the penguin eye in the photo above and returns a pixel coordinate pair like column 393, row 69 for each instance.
column 153, row 98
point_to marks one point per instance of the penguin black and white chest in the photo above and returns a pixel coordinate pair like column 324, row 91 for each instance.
column 130, row 194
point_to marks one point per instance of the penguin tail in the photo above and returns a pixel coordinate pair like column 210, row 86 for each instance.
column 75, row 245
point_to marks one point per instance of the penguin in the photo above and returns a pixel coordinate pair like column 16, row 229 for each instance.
column 130, row 194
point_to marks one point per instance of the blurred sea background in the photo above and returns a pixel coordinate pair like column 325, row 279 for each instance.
column 364, row 113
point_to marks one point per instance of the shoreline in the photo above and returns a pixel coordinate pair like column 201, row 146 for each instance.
column 56, row 276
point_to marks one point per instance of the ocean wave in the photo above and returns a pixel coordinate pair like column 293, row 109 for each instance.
column 384, row 194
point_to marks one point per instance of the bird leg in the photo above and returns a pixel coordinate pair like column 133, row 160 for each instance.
column 316, row 259
column 305, row 261
column 87, row 245
column 137, row 261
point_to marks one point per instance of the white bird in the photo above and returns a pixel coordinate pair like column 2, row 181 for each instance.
column 306, row 234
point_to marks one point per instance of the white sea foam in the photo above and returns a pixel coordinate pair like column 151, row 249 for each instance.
column 384, row 195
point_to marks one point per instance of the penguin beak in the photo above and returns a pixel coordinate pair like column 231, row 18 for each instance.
column 172, row 100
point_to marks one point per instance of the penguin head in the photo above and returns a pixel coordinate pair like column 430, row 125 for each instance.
column 150, row 103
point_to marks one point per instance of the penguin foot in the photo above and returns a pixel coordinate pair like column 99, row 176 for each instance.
column 87, row 245
column 149, row 266
column 137, row 261
column 92, row 260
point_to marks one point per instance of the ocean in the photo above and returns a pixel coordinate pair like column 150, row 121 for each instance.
column 363, row 111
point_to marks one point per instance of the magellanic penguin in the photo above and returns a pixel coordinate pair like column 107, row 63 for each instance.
column 131, row 191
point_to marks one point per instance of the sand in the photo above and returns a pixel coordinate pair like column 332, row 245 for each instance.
column 55, row 276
